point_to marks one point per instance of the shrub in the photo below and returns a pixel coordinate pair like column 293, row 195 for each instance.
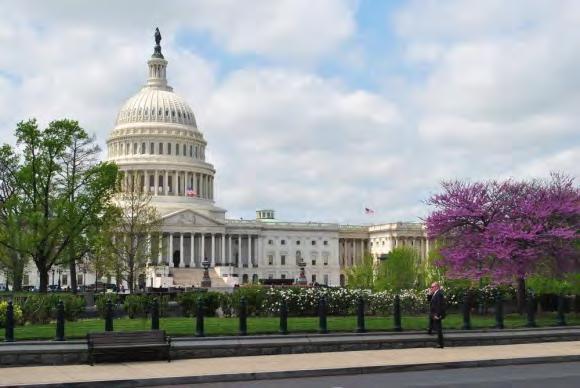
column 136, row 305
column 101, row 303
column 17, row 313
column 188, row 302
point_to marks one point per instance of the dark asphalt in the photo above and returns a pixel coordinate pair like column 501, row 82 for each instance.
column 553, row 375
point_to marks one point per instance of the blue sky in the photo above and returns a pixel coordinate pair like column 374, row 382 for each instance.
column 319, row 109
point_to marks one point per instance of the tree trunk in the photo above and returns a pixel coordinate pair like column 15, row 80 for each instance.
column 130, row 281
column 17, row 280
column 72, row 266
column 521, row 295
column 43, row 281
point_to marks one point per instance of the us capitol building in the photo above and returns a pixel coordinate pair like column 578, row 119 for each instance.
column 157, row 144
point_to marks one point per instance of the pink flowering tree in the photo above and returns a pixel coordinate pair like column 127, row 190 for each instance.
column 506, row 230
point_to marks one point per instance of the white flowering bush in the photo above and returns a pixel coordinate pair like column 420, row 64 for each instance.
column 341, row 301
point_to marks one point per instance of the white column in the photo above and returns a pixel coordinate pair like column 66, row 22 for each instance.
column 249, row 250
column 149, row 248
column 160, row 250
column 239, row 250
column 166, row 183
column 202, row 247
column 223, row 252
column 175, row 183
column 229, row 257
column 181, row 251
column 171, row 249
column 195, row 184
column 213, row 250
column 192, row 258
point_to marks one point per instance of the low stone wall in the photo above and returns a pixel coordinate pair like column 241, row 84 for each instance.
column 75, row 352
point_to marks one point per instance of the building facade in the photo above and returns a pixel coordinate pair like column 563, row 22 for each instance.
column 158, row 147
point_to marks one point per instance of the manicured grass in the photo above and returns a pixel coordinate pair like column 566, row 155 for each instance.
column 265, row 325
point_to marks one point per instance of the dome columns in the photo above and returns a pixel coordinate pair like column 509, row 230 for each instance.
column 170, row 182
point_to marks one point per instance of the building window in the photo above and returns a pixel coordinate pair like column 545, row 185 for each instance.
column 160, row 148
column 325, row 258
column 177, row 149
column 283, row 276
column 152, row 148
column 270, row 242
column 270, row 276
column 127, row 148
column 297, row 242
column 313, row 278
column 184, row 150
column 282, row 259
column 168, row 148
column 191, row 151
column 283, row 242
column 270, row 259
column 64, row 279
column 26, row 279
column 135, row 148
column 325, row 242
column 80, row 279
column 326, row 279
column 143, row 148
column 313, row 242
column 313, row 259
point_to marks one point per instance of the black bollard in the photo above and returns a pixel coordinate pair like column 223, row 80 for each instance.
column 283, row 317
column 109, row 316
column 531, row 309
column 360, row 316
column 560, row 317
column 466, row 312
column 155, row 314
column 498, row 310
column 9, row 333
column 199, row 330
column 397, row 313
column 59, row 321
column 322, row 327
column 243, row 317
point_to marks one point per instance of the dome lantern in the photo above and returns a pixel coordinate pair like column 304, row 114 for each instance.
column 158, row 66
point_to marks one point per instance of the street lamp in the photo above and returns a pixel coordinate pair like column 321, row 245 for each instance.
column 206, row 281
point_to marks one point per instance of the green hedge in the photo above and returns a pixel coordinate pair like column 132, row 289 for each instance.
column 41, row 308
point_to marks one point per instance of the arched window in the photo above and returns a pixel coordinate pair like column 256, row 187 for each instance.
column 152, row 148
column 160, row 148
column 191, row 151
column 168, row 148
column 184, row 150
column 177, row 149
column 143, row 147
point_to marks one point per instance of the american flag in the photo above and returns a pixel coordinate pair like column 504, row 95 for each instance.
column 369, row 211
column 191, row 193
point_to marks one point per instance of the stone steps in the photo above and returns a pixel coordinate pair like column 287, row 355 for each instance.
column 191, row 277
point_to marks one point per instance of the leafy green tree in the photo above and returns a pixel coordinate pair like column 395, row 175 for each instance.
column 41, row 193
column 399, row 270
column 362, row 275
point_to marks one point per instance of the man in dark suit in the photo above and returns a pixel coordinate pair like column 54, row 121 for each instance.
column 438, row 311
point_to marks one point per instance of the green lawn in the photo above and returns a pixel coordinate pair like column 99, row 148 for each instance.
column 229, row 326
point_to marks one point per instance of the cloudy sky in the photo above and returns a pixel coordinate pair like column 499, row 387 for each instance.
column 318, row 108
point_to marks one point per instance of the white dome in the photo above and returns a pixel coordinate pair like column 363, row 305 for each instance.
column 156, row 105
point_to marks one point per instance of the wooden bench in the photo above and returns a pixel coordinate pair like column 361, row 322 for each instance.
column 133, row 344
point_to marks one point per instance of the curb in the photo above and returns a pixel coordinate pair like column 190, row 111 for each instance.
column 255, row 376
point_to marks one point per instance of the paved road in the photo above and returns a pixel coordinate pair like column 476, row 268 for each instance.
column 556, row 375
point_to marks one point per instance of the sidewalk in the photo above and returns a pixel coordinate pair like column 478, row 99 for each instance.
column 288, row 365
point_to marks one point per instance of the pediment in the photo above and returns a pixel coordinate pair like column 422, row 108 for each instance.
column 188, row 218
